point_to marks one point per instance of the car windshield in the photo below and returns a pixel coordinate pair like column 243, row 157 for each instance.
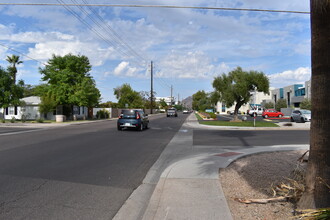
column 305, row 112
column 128, row 114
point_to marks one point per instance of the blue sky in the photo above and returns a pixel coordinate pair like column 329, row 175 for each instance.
column 188, row 47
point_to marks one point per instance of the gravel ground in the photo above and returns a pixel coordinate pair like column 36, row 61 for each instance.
column 252, row 177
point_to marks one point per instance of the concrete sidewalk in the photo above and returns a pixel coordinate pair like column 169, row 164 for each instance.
column 184, row 182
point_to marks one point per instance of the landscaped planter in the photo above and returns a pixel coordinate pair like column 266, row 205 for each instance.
column 205, row 117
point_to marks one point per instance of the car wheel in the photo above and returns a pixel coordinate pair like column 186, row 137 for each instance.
column 280, row 116
column 140, row 128
column 302, row 120
column 291, row 119
column 266, row 116
column 119, row 128
column 146, row 127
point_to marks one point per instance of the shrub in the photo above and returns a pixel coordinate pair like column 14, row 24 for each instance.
column 212, row 115
column 269, row 105
column 3, row 120
column 281, row 103
column 40, row 120
column 306, row 104
column 102, row 114
column 13, row 119
column 23, row 118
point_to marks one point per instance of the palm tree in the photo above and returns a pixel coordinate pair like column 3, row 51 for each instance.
column 317, row 194
column 14, row 61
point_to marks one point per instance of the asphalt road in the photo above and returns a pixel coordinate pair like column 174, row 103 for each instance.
column 82, row 171
column 88, row 171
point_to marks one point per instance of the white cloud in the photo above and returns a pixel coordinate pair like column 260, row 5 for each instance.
column 190, row 65
column 124, row 69
column 288, row 77
column 97, row 56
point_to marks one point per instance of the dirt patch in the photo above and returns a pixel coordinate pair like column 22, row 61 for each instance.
column 252, row 177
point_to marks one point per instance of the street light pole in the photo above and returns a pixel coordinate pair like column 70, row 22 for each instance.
column 151, row 90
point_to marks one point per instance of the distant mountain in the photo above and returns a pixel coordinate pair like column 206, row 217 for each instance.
column 187, row 102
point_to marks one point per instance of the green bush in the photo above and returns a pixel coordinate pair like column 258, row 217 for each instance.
column 281, row 103
column 102, row 114
column 3, row 120
column 23, row 118
column 306, row 104
column 269, row 105
column 13, row 120
column 40, row 120
column 212, row 115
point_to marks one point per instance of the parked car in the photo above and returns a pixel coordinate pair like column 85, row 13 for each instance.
column 272, row 113
column 132, row 118
column 171, row 112
column 232, row 112
column 255, row 111
column 301, row 115
column 185, row 111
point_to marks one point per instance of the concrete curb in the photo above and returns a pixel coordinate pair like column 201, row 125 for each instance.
column 184, row 183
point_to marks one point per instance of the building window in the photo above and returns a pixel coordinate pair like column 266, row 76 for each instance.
column 223, row 108
column 303, row 92
column 11, row 111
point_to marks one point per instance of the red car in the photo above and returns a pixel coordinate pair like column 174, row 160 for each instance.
column 272, row 113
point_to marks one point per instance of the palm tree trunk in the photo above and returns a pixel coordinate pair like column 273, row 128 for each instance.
column 317, row 193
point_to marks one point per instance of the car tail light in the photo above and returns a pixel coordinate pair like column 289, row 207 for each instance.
column 137, row 116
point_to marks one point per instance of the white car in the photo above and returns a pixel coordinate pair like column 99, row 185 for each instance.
column 301, row 115
column 185, row 111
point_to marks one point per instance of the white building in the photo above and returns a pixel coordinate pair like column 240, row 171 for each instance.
column 30, row 110
column 293, row 94
column 257, row 98
column 168, row 100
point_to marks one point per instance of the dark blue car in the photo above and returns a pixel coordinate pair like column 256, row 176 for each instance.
column 132, row 118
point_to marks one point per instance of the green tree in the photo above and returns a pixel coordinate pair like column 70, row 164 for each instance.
column 281, row 103
column 317, row 193
column 178, row 107
column 127, row 96
column 48, row 104
column 14, row 61
column 162, row 104
column 69, row 82
column 10, row 94
column 269, row 105
column 306, row 104
column 147, row 99
column 107, row 104
column 236, row 87
column 201, row 101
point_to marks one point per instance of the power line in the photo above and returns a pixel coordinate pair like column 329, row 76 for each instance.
column 100, row 35
column 110, row 31
column 161, row 6
column 115, row 33
column 9, row 48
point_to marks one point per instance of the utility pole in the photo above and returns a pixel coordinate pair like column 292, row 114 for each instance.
column 171, row 95
column 152, row 89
